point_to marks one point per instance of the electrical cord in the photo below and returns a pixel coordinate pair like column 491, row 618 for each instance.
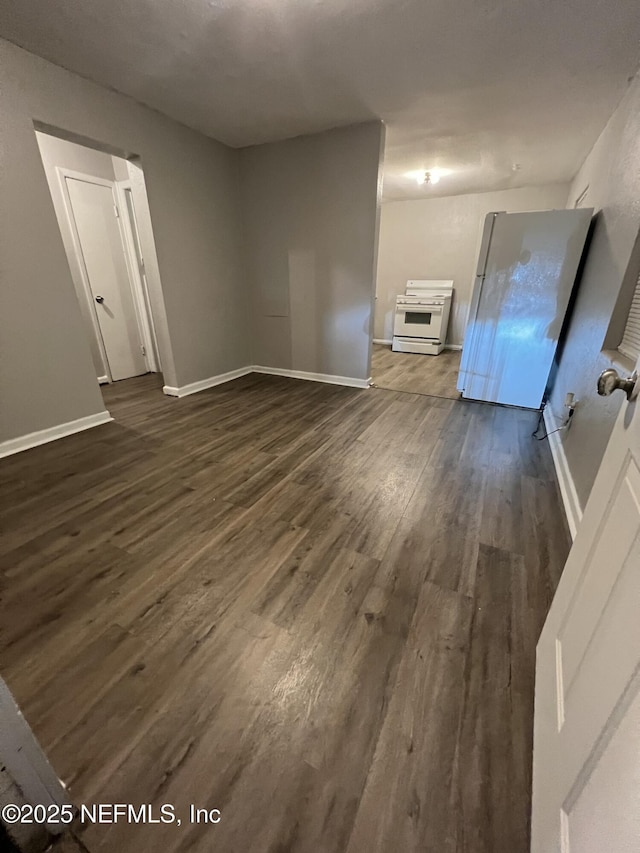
column 537, row 437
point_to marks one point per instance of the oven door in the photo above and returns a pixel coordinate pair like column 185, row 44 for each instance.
column 418, row 321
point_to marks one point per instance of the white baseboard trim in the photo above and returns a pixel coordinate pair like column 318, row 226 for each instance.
column 212, row 381
column 103, row 380
column 457, row 347
column 329, row 378
column 43, row 436
column 203, row 384
column 570, row 499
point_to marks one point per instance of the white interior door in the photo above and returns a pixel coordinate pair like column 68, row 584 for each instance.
column 586, row 767
column 93, row 209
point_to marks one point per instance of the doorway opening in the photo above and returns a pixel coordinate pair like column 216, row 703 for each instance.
column 103, row 214
column 415, row 373
column 416, row 358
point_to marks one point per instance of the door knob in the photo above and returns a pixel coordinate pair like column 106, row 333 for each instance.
column 100, row 299
column 610, row 381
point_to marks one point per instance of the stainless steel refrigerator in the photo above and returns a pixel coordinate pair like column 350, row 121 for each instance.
column 525, row 274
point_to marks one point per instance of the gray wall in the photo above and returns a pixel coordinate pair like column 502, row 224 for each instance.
column 439, row 239
column 46, row 372
column 310, row 210
column 612, row 173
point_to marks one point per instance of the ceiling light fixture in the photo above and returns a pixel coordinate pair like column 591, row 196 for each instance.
column 428, row 177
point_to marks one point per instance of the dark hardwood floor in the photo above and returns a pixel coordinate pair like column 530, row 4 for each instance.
column 311, row 607
column 416, row 373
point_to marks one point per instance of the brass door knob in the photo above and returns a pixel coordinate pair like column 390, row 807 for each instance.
column 610, row 381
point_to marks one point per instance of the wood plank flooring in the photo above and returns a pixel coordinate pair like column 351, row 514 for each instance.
column 311, row 607
column 416, row 373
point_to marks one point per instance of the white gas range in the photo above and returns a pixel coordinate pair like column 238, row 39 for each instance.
column 422, row 316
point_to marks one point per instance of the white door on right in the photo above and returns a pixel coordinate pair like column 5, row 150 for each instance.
column 94, row 213
column 586, row 765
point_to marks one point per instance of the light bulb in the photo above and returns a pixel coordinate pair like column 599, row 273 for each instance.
column 425, row 177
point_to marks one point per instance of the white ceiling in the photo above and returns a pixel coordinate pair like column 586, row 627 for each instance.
column 474, row 86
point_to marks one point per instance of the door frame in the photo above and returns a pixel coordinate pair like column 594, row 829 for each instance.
column 139, row 288
column 25, row 761
column 137, row 294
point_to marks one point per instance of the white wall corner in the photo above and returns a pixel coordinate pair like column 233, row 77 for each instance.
column 570, row 500
column 43, row 436
column 23, row 758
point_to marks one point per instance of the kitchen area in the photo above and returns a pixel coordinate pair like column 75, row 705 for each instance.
column 526, row 266
column 420, row 324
